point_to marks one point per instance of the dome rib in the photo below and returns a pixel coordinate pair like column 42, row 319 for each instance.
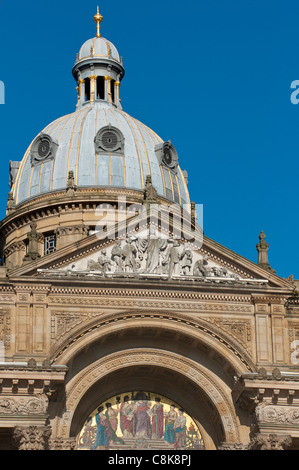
column 75, row 134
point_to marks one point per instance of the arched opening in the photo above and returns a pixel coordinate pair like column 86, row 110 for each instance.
column 113, row 90
column 203, row 426
column 100, row 88
column 190, row 367
column 139, row 419
column 87, row 89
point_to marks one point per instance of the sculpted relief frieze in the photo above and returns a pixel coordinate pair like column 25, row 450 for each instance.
column 151, row 257
column 277, row 414
column 24, row 406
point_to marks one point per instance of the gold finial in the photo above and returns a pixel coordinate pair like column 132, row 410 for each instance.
column 98, row 20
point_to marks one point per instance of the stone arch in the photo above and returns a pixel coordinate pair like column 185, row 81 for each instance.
column 201, row 379
column 196, row 328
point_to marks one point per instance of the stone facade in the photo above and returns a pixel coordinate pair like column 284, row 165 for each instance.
column 84, row 318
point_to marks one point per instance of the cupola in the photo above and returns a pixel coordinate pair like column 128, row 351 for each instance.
column 98, row 70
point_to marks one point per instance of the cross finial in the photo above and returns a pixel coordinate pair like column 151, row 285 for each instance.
column 98, row 18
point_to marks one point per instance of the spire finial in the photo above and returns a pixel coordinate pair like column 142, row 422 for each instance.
column 98, row 20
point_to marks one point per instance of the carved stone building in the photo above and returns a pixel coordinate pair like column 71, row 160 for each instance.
column 118, row 328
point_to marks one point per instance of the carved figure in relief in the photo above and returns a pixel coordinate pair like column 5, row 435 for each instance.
column 219, row 272
column 93, row 265
column 172, row 259
column 152, row 246
column 104, row 262
column 201, row 268
column 117, row 257
column 129, row 254
column 186, row 261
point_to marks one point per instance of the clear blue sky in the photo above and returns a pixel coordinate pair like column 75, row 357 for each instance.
column 213, row 76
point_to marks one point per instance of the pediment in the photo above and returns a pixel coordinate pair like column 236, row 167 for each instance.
column 152, row 254
column 152, row 257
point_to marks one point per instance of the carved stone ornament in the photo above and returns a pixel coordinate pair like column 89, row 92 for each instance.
column 226, row 446
column 62, row 444
column 24, row 406
column 109, row 140
column 33, row 239
column 43, row 149
column 270, row 442
column 32, row 437
column 150, row 193
column 167, row 156
column 277, row 414
column 71, row 187
column 151, row 255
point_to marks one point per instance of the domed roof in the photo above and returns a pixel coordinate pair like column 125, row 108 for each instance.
column 74, row 148
column 101, row 144
column 98, row 47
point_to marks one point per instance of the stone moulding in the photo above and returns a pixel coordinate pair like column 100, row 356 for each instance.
column 234, row 350
column 78, row 386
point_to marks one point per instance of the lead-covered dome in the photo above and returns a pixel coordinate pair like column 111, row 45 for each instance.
column 98, row 47
column 104, row 147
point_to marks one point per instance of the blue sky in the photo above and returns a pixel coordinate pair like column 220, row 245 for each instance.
column 212, row 76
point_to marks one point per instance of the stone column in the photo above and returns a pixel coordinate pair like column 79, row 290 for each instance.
column 32, row 437
column 93, row 88
column 108, row 89
column 82, row 90
column 116, row 96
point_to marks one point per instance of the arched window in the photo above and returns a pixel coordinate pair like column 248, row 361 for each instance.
column 100, row 88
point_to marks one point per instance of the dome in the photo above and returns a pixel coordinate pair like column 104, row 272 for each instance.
column 70, row 144
column 98, row 47
column 101, row 145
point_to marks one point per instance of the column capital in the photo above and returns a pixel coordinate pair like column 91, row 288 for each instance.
column 32, row 437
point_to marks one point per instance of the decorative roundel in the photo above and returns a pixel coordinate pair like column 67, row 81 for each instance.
column 109, row 140
column 167, row 158
column 44, row 148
